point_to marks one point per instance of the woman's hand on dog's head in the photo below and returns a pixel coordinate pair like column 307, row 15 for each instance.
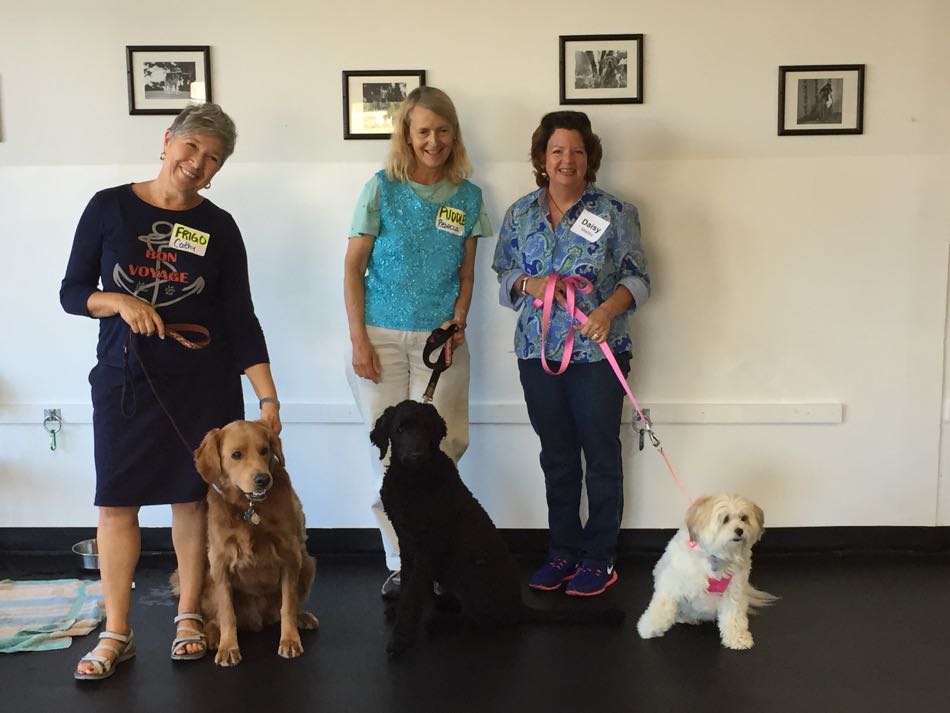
column 270, row 416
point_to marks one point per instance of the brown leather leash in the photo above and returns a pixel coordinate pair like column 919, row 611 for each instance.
column 177, row 332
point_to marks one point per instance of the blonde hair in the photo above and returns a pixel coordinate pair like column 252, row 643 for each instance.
column 402, row 160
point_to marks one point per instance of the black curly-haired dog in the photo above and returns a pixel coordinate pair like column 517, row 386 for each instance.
column 446, row 536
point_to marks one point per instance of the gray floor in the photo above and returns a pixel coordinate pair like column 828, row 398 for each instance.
column 851, row 633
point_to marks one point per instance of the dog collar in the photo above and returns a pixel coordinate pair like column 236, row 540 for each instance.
column 250, row 515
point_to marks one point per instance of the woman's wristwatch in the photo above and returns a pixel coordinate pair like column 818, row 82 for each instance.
column 523, row 286
column 268, row 400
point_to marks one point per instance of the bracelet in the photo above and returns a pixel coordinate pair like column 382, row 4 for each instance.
column 268, row 400
column 524, row 285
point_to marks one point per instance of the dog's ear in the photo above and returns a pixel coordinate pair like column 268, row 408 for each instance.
column 760, row 518
column 697, row 516
column 437, row 425
column 379, row 436
column 276, row 447
column 208, row 456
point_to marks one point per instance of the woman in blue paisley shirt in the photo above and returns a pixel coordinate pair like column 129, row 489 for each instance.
column 570, row 227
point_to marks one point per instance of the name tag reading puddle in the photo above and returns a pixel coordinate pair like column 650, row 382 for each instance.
column 590, row 226
column 451, row 220
column 189, row 240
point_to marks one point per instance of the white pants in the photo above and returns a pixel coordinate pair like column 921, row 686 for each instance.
column 403, row 375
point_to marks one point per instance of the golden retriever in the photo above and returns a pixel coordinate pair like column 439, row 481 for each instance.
column 259, row 569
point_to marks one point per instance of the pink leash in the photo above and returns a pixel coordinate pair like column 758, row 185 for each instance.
column 574, row 283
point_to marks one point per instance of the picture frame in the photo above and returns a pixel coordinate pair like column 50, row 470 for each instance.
column 371, row 99
column 601, row 69
column 815, row 99
column 165, row 79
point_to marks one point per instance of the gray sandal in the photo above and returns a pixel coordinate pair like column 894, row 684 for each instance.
column 105, row 667
column 191, row 636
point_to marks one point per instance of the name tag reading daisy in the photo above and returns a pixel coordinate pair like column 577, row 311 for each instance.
column 451, row 220
column 590, row 227
column 189, row 240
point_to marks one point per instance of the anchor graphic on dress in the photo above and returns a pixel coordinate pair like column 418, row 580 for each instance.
column 159, row 238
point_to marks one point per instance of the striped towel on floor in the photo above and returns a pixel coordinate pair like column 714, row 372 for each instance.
column 44, row 614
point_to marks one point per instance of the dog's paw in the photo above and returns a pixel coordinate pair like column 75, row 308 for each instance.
column 648, row 630
column 306, row 620
column 228, row 656
column 739, row 641
column 447, row 603
column 290, row 648
column 397, row 646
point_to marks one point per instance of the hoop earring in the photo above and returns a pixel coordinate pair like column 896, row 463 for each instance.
column 209, row 185
column 162, row 157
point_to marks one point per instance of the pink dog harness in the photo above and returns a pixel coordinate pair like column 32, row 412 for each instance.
column 713, row 585
column 718, row 586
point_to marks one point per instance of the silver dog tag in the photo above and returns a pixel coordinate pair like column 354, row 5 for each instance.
column 251, row 516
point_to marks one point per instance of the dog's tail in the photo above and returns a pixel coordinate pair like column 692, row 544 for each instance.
column 759, row 599
column 568, row 617
column 175, row 583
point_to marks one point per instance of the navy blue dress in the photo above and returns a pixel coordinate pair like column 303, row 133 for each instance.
column 191, row 266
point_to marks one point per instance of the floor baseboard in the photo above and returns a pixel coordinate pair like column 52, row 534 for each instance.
column 779, row 540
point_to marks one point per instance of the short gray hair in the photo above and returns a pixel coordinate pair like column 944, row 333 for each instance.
column 206, row 118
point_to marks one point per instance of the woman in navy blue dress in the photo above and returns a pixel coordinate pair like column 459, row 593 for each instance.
column 164, row 270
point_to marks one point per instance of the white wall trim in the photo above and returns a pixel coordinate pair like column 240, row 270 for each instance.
column 496, row 413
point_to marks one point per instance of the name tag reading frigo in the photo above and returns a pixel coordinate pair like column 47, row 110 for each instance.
column 189, row 240
column 451, row 220
column 590, row 227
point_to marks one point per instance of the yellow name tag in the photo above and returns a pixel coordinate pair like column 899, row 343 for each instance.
column 189, row 240
column 451, row 220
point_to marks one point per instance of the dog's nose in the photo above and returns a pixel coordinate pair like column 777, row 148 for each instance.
column 261, row 480
column 739, row 532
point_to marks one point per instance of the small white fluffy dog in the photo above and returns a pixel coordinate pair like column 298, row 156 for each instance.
column 703, row 574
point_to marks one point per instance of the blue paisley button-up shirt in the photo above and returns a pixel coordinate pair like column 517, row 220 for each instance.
column 527, row 245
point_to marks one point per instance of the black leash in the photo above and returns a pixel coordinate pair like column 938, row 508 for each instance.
column 436, row 339
column 127, row 381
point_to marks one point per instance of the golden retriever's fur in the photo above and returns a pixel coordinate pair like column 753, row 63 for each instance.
column 261, row 573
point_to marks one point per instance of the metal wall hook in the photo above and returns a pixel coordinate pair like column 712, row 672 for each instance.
column 52, row 424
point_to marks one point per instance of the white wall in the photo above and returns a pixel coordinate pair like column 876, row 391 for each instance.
column 794, row 345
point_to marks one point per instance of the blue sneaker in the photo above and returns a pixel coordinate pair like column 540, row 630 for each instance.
column 553, row 574
column 591, row 579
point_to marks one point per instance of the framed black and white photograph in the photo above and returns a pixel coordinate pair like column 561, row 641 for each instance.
column 164, row 80
column 371, row 99
column 820, row 99
column 601, row 69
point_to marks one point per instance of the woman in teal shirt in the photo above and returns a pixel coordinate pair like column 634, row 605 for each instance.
column 409, row 268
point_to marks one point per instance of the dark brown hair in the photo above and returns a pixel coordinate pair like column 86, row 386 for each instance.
column 572, row 121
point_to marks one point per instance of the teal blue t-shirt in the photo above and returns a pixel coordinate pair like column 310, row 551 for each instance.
column 412, row 277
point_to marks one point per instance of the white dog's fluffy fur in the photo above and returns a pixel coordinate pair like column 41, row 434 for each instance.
column 722, row 530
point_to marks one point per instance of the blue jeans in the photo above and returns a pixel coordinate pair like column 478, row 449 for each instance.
column 579, row 411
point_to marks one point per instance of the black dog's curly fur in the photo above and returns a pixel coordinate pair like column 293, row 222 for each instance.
column 446, row 536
